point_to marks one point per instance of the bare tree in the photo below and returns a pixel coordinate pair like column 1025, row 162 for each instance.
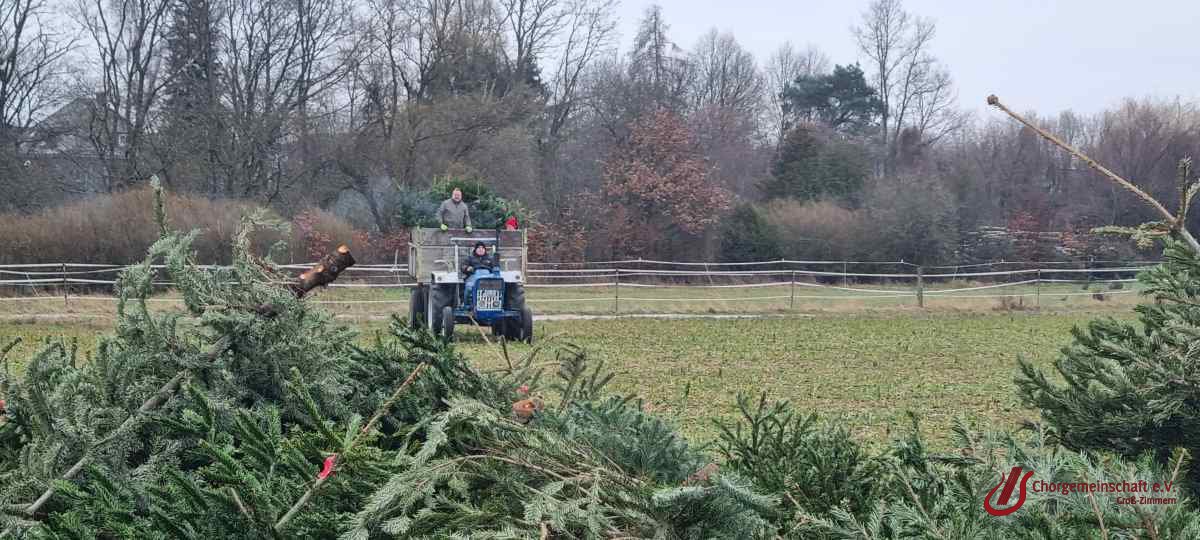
column 783, row 67
column 32, row 67
column 935, row 106
column 127, row 35
column 916, row 92
column 430, row 92
column 1141, row 140
column 590, row 34
column 725, row 75
column 591, row 30
column 278, row 56
column 727, row 105
column 532, row 25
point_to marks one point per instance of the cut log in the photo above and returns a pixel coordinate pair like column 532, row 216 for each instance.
column 325, row 272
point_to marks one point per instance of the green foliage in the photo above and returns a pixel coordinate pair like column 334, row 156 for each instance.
column 922, row 494
column 914, row 218
column 841, row 100
column 412, row 208
column 1131, row 387
column 814, row 165
column 748, row 236
column 788, row 453
column 271, row 390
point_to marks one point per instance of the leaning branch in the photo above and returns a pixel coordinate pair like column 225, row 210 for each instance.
column 1176, row 222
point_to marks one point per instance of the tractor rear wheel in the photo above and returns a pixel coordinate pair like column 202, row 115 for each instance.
column 448, row 324
column 416, row 307
column 511, row 329
column 527, row 325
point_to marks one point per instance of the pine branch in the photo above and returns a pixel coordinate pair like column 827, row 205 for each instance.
column 387, row 405
column 1099, row 516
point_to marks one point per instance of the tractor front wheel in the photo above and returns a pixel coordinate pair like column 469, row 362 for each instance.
column 448, row 324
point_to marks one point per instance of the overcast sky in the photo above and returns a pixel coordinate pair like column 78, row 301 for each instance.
column 1048, row 56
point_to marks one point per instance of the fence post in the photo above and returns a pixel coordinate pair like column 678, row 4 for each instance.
column 64, row 285
column 1037, row 291
column 921, row 286
column 617, row 295
column 846, row 274
column 792, row 305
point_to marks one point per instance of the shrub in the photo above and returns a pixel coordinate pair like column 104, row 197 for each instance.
column 791, row 454
column 912, row 219
column 316, row 232
column 117, row 229
column 820, row 230
column 563, row 240
column 749, row 236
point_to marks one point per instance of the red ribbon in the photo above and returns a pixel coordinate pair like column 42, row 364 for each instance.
column 328, row 469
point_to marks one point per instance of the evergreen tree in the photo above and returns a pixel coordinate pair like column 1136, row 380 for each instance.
column 1132, row 387
column 748, row 236
column 841, row 100
column 192, row 109
column 814, row 165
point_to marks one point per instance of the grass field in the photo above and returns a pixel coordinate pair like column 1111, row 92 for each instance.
column 866, row 370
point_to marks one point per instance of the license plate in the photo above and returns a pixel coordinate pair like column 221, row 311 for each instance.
column 488, row 300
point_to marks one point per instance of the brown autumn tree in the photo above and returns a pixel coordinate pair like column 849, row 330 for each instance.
column 659, row 192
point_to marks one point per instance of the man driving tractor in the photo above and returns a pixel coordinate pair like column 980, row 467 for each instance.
column 479, row 259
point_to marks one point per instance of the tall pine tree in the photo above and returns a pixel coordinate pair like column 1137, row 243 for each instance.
column 194, row 123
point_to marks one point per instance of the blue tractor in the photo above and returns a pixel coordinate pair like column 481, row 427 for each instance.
column 492, row 296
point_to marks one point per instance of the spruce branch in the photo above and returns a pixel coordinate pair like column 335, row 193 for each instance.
column 1176, row 222
column 153, row 402
column 382, row 410
column 7, row 374
column 1099, row 515
column 241, row 506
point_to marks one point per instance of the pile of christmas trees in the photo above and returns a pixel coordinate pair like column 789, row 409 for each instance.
column 258, row 417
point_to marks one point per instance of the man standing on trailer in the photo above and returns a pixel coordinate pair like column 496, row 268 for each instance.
column 454, row 213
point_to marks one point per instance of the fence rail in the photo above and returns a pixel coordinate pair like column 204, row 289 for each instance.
column 641, row 285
